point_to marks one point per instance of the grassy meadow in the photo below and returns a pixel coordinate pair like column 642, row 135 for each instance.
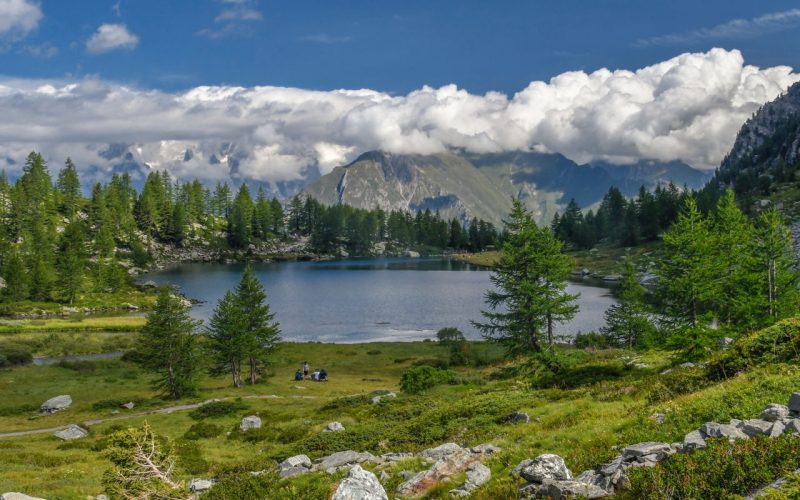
column 602, row 400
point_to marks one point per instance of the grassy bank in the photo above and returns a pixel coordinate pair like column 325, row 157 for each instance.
column 601, row 401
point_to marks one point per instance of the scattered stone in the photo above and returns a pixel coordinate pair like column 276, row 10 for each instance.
column 198, row 485
column 292, row 471
column 755, row 426
column 55, row 404
column 486, row 448
column 776, row 429
column 101, row 497
column 688, row 364
column 443, row 470
column 518, row 417
column 477, row 475
column 13, row 495
column 395, row 457
column 406, row 474
column 543, row 467
column 333, row 427
column 774, row 412
column 150, row 284
column 557, row 490
column 716, row 430
column 441, row 451
column 794, row 403
column 131, row 307
column 129, row 405
column 792, row 426
column 658, row 418
column 384, row 476
column 342, row 459
column 412, row 254
column 251, row 422
column 360, row 484
column 377, row 398
column 296, row 461
column 694, row 441
column 643, row 449
column 72, row 432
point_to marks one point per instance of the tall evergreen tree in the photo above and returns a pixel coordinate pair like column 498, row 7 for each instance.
column 528, row 296
column 69, row 189
column 226, row 340
column 262, row 332
column 627, row 322
column 168, row 346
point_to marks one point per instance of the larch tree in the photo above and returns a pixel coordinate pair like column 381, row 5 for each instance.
column 226, row 343
column 628, row 322
column 262, row 332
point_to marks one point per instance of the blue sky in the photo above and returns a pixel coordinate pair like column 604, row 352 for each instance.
column 394, row 47
column 214, row 88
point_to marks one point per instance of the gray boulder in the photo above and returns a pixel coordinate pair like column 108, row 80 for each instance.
column 360, row 485
column 441, row 451
column 694, row 441
column 556, row 490
column 72, row 432
column 251, row 422
column 792, row 426
column 377, row 398
column 198, row 485
column 716, row 430
column 13, row 495
column 55, row 404
column 477, row 475
column 486, row 449
column 542, row 468
column 776, row 430
column 774, row 412
column 518, row 417
column 292, row 471
column 756, row 426
column 646, row 448
column 794, row 403
column 333, row 427
column 342, row 458
column 296, row 461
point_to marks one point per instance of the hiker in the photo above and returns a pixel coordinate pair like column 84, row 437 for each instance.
column 315, row 375
column 323, row 375
column 305, row 368
column 298, row 375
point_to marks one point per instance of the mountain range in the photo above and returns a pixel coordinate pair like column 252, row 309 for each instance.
column 466, row 185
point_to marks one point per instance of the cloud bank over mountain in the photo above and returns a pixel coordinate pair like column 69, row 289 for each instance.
column 687, row 108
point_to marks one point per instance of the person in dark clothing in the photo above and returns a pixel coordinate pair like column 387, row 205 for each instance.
column 298, row 375
column 323, row 375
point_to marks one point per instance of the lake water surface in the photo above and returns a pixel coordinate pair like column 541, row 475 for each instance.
column 388, row 299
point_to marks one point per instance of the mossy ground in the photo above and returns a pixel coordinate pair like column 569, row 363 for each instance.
column 598, row 404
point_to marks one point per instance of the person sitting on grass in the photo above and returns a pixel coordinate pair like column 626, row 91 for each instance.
column 315, row 375
column 298, row 375
column 323, row 375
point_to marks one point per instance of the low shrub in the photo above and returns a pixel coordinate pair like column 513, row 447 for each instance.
column 219, row 409
column 14, row 354
column 189, row 457
column 775, row 344
column 720, row 471
column 417, row 379
column 347, row 402
column 202, row 430
column 374, row 352
column 679, row 381
column 245, row 485
column 441, row 363
column 14, row 411
column 591, row 340
column 114, row 404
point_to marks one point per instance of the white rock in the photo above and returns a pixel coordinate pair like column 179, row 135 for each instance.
column 441, row 451
column 774, row 412
column 55, row 404
column 72, row 432
column 333, row 427
column 360, row 484
column 198, row 485
column 542, row 468
column 251, row 422
column 13, row 495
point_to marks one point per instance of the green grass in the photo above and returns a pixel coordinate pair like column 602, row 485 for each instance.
column 595, row 406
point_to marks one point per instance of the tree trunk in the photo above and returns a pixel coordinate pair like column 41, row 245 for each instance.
column 253, row 371
column 237, row 381
column 549, row 329
column 171, row 381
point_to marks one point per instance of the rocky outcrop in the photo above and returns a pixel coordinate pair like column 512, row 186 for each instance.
column 450, row 460
column 544, row 467
column 360, row 484
column 342, row 459
column 477, row 475
column 294, row 466
column 55, row 404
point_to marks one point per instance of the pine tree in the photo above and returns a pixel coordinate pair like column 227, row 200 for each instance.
column 226, row 340
column 775, row 267
column 71, row 262
column 627, row 322
column 69, row 189
column 261, row 331
column 168, row 346
column 240, row 221
column 529, row 285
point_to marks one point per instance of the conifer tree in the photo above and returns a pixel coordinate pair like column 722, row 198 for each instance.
column 775, row 267
column 226, row 340
column 627, row 322
column 168, row 346
column 262, row 332
column 69, row 189
column 529, row 280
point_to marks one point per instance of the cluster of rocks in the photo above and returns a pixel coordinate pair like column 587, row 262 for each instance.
column 549, row 477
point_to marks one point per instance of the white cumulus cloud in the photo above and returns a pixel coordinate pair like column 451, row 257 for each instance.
column 110, row 37
column 686, row 108
column 19, row 17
